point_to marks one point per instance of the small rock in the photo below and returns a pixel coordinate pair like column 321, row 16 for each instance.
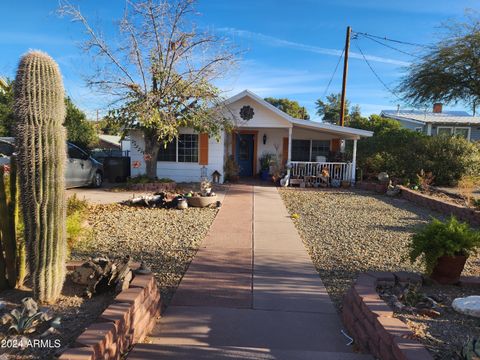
column 469, row 305
column 3, row 305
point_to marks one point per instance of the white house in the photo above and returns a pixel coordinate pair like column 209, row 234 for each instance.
column 259, row 128
column 438, row 122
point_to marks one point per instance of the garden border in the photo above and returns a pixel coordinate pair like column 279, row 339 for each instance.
column 370, row 320
column 125, row 322
column 153, row 186
column 461, row 212
column 377, row 187
column 371, row 323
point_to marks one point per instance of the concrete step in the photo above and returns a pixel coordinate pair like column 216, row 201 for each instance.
column 169, row 352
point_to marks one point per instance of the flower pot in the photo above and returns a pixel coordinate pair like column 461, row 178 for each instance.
column 201, row 201
column 448, row 269
column 264, row 175
column 182, row 204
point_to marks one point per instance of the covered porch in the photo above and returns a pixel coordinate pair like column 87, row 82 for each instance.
column 304, row 148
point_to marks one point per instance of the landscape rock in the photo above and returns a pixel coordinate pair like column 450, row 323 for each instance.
column 469, row 305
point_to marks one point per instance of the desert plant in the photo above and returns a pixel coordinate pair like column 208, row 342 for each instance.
column 77, row 210
column 26, row 320
column 443, row 238
column 40, row 111
column 231, row 169
column 466, row 186
column 12, row 257
column 471, row 350
column 424, row 180
column 266, row 160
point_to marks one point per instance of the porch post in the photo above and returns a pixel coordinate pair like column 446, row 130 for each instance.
column 289, row 145
column 354, row 160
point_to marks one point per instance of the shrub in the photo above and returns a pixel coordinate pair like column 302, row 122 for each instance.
column 77, row 212
column 403, row 153
column 438, row 238
column 144, row 179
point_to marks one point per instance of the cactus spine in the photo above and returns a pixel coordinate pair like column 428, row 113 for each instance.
column 40, row 113
column 8, row 227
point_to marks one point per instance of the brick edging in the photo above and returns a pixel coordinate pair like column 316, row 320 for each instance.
column 461, row 212
column 124, row 323
column 371, row 323
column 154, row 186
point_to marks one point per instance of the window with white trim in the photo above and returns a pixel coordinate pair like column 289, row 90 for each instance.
column 320, row 148
column 444, row 130
column 182, row 149
column 462, row 132
column 188, row 148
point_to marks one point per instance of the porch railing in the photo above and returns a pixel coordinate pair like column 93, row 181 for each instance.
column 337, row 170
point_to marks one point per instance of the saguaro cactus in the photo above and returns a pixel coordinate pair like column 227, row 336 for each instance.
column 40, row 137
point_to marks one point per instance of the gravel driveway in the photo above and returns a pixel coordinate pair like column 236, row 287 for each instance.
column 166, row 240
column 349, row 231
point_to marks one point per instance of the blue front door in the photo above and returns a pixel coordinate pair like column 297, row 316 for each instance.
column 244, row 154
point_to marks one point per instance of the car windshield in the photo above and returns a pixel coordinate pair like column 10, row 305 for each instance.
column 6, row 149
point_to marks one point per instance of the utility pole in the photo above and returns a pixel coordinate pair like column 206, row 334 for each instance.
column 345, row 73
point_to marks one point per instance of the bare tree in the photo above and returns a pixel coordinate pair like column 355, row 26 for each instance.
column 160, row 71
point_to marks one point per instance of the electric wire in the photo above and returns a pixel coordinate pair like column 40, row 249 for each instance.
column 375, row 73
column 334, row 72
column 390, row 47
column 396, row 41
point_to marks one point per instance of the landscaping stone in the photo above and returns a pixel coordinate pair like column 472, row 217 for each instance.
column 469, row 305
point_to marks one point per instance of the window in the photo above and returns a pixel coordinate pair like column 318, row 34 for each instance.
column 168, row 152
column 320, row 148
column 75, row 153
column 188, row 148
column 457, row 131
column 444, row 130
column 419, row 129
column 300, row 150
column 462, row 132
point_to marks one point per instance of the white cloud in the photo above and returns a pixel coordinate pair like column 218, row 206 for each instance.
column 273, row 41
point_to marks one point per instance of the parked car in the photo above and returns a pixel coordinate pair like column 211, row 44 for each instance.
column 82, row 169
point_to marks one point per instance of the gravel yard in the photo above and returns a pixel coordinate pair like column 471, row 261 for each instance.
column 348, row 232
column 166, row 240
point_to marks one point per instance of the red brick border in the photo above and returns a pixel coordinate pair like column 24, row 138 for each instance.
column 461, row 212
column 154, row 187
column 380, row 188
column 371, row 323
column 124, row 323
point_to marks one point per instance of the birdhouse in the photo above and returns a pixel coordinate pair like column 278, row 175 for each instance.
column 216, row 177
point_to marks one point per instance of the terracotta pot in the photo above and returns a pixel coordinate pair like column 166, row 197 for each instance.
column 448, row 269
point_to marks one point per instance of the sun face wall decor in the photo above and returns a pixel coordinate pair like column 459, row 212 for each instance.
column 246, row 112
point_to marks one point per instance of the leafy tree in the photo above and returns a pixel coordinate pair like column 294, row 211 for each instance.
column 159, row 71
column 450, row 71
column 80, row 131
column 109, row 126
column 6, row 108
column 291, row 107
column 375, row 123
column 330, row 109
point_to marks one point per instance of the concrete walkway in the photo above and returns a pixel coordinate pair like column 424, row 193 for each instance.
column 250, row 293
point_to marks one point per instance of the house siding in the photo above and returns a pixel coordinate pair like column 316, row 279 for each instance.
column 179, row 171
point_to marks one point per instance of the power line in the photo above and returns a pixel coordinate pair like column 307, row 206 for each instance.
column 375, row 73
column 390, row 47
column 334, row 72
column 395, row 41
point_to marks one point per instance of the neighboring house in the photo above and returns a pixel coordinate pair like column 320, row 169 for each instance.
column 259, row 128
column 438, row 122
column 114, row 142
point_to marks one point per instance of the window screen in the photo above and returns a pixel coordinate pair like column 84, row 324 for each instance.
column 188, row 148
column 300, row 150
column 320, row 148
column 168, row 153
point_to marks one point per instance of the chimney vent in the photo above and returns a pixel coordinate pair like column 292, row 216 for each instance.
column 437, row 108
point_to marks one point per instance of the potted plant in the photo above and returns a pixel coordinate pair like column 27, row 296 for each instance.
column 265, row 162
column 231, row 169
column 445, row 246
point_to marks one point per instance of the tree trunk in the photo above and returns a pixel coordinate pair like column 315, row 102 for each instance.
column 152, row 147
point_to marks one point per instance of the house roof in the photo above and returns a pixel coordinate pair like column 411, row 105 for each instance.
column 309, row 124
column 422, row 117
column 111, row 139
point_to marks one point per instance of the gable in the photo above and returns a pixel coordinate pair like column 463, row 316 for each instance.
column 264, row 116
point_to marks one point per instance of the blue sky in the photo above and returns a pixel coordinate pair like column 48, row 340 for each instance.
column 292, row 47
